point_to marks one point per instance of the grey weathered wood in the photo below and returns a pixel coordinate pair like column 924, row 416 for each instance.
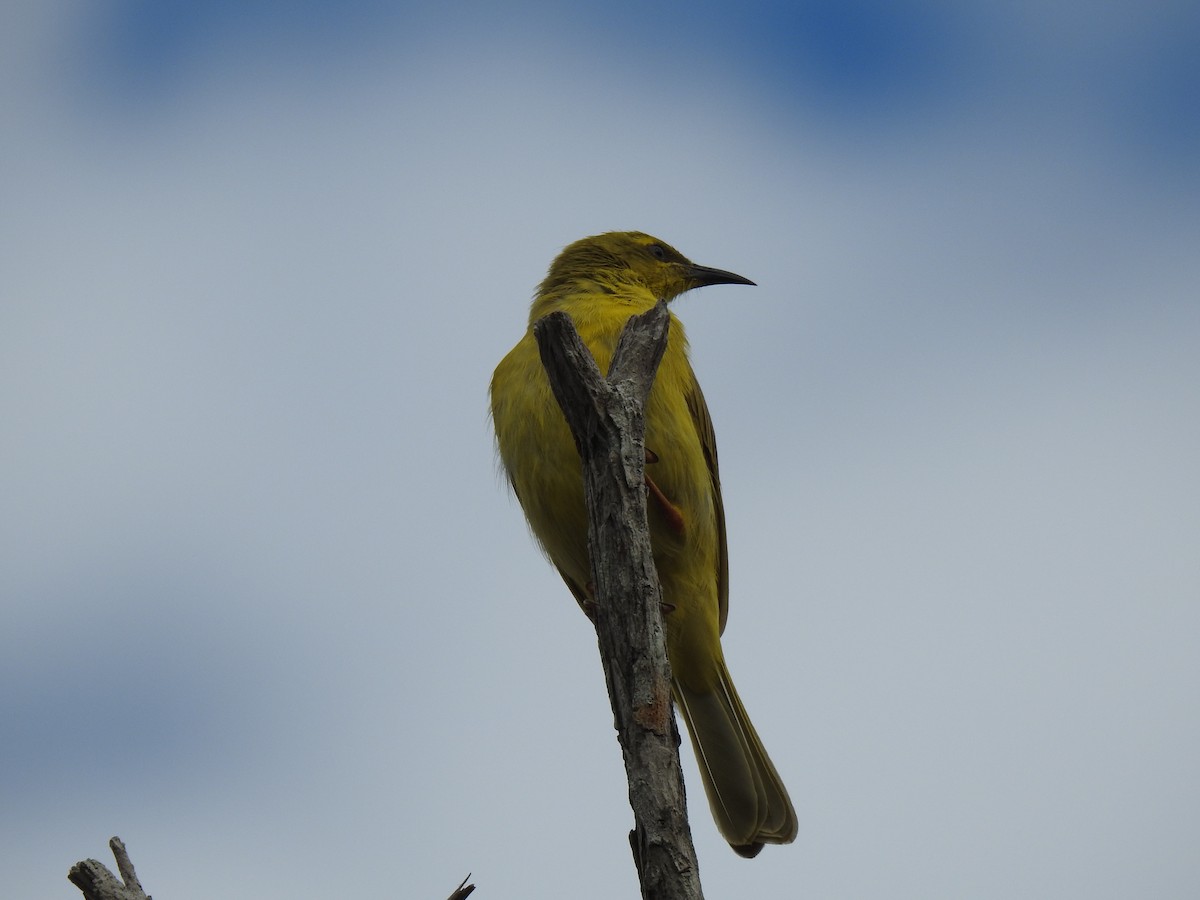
column 607, row 418
column 98, row 883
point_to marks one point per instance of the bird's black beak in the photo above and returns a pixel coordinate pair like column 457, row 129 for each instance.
column 703, row 275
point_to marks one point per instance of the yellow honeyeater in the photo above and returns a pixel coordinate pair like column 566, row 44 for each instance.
column 600, row 282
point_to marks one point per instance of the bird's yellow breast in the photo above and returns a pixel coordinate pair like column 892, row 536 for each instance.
column 540, row 458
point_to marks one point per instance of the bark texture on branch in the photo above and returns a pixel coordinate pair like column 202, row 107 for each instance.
column 607, row 419
column 97, row 883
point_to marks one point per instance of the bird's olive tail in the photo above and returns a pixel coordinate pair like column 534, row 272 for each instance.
column 748, row 799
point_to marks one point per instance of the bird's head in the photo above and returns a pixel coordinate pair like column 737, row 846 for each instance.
column 631, row 257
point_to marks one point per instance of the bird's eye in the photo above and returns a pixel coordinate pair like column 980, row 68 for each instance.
column 657, row 251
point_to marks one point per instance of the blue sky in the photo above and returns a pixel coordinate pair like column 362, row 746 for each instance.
column 1127, row 69
column 267, row 602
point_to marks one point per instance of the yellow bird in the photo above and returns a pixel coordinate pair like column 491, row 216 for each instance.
column 601, row 282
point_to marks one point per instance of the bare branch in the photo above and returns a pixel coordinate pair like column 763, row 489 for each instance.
column 98, row 883
column 464, row 890
column 607, row 419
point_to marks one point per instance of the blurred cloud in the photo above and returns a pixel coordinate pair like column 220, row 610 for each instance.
column 1125, row 72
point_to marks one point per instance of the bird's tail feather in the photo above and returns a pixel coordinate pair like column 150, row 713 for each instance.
column 748, row 799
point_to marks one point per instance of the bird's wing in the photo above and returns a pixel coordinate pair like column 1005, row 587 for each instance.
column 708, row 443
